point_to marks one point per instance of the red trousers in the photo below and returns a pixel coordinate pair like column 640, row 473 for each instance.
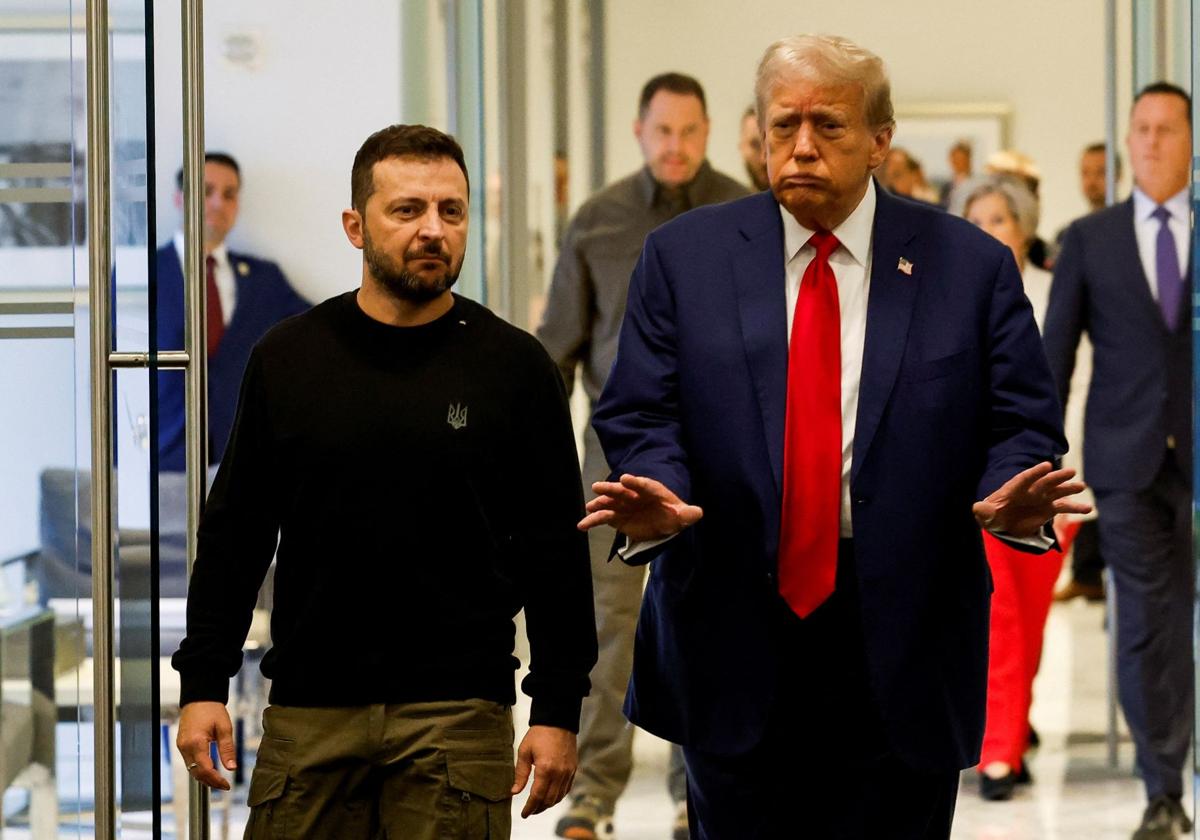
column 1024, row 589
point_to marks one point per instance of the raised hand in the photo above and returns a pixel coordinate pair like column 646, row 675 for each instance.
column 1030, row 499
column 640, row 508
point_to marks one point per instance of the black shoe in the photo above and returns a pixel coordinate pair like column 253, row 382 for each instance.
column 1023, row 776
column 998, row 790
column 1163, row 820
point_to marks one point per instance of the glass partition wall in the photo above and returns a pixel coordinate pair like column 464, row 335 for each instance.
column 120, row 95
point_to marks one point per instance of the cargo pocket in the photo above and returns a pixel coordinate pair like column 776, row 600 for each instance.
column 479, row 795
column 268, row 816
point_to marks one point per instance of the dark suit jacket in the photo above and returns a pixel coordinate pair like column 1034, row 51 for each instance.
column 1141, row 390
column 263, row 298
column 955, row 398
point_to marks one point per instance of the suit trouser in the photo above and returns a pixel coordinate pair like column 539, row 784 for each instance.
column 1087, row 563
column 1024, row 588
column 1146, row 539
column 823, row 769
column 420, row 771
column 605, row 736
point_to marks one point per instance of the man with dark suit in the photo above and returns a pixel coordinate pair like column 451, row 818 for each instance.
column 814, row 630
column 246, row 297
column 1124, row 278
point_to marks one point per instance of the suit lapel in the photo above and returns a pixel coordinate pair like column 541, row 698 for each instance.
column 1127, row 259
column 759, row 281
column 889, row 312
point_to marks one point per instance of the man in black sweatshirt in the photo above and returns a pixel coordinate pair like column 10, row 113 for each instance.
column 379, row 445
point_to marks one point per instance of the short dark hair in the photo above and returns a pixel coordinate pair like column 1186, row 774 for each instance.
column 402, row 141
column 1170, row 90
column 1102, row 148
column 213, row 157
column 673, row 83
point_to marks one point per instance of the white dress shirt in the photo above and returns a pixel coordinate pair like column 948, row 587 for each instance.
column 1146, row 227
column 851, row 263
column 222, row 274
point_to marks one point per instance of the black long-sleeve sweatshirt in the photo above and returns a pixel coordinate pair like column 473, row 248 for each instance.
column 423, row 487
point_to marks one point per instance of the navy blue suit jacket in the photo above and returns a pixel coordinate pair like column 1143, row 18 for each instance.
column 955, row 398
column 1141, row 389
column 263, row 298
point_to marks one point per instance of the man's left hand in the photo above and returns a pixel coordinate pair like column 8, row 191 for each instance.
column 550, row 753
column 1029, row 500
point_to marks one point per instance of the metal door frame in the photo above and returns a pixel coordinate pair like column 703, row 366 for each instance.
column 105, row 361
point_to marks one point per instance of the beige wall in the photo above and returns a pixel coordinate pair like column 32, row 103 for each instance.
column 1045, row 59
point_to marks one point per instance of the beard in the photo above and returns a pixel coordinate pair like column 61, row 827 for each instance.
column 404, row 284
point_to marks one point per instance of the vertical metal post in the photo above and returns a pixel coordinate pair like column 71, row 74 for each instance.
column 195, row 318
column 454, row 117
column 596, row 89
column 1110, row 196
column 514, row 208
column 1110, row 102
column 99, row 184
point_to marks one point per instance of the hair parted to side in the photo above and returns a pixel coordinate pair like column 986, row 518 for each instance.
column 402, row 141
column 223, row 158
column 678, row 83
column 1166, row 89
column 1022, row 203
column 826, row 59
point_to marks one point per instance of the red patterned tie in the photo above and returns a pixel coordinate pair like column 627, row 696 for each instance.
column 812, row 451
column 216, row 318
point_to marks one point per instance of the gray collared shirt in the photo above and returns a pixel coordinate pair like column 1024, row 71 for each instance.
column 602, row 243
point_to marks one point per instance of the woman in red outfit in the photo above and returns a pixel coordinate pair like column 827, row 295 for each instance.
column 1024, row 582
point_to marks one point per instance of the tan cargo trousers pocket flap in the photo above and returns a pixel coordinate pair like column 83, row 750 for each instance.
column 266, row 783
column 488, row 776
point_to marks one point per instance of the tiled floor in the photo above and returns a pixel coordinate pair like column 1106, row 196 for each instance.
column 1076, row 797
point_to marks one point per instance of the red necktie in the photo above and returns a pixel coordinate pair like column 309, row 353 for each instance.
column 812, row 451
column 216, row 318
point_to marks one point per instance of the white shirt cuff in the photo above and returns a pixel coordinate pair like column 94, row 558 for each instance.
column 1040, row 540
column 634, row 547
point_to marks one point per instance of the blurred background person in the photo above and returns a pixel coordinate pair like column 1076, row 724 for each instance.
column 584, row 310
column 902, row 174
column 751, row 149
column 1124, row 277
column 246, row 296
column 1004, row 207
column 1087, row 561
column 1022, row 167
column 959, row 158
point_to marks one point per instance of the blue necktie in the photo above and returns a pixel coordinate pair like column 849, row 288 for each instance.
column 1166, row 261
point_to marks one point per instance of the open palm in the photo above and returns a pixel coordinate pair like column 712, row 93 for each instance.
column 640, row 508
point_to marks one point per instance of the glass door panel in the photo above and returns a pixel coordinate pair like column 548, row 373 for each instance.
column 45, row 586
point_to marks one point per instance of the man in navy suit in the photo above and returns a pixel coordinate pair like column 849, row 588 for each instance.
column 814, row 629
column 246, row 297
column 1124, row 277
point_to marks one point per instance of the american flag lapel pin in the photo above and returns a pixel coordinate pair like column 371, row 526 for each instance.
column 905, row 266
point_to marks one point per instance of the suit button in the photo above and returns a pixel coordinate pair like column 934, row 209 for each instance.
column 770, row 578
column 1170, row 441
column 861, row 500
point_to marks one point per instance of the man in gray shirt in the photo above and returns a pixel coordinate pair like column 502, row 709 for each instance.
column 584, row 309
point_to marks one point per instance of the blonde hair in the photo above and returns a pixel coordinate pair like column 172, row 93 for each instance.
column 827, row 59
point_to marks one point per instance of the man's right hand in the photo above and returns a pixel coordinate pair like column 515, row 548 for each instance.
column 200, row 723
column 640, row 508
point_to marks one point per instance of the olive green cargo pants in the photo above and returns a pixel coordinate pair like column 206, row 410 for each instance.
column 408, row 771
